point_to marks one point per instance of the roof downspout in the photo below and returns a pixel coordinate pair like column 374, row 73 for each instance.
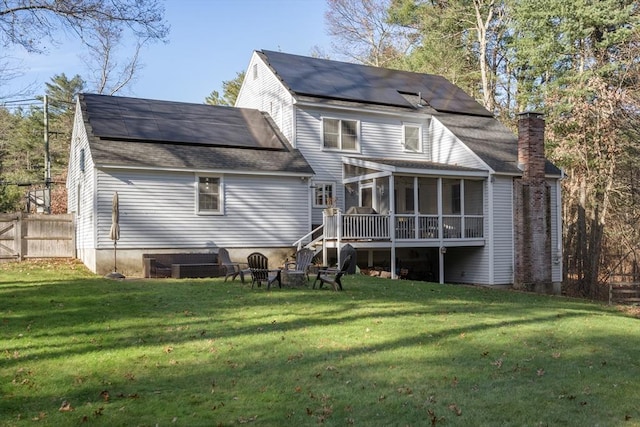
column 392, row 225
column 442, row 249
column 489, row 234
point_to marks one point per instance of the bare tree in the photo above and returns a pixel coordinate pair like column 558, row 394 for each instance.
column 99, row 24
column 110, row 73
column 364, row 33
column 30, row 23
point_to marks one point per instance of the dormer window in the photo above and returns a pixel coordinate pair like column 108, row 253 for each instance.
column 340, row 134
column 412, row 137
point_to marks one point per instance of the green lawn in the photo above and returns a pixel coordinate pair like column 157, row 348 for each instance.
column 383, row 353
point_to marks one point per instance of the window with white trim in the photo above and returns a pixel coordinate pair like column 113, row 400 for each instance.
column 412, row 137
column 324, row 194
column 340, row 134
column 209, row 195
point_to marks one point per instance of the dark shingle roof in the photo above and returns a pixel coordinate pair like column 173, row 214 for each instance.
column 490, row 140
column 149, row 133
column 323, row 78
column 336, row 83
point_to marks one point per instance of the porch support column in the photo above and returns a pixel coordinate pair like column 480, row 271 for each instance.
column 392, row 225
column 441, row 253
column 440, row 235
column 488, row 235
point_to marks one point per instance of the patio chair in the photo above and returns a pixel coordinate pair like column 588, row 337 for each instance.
column 332, row 276
column 259, row 267
column 232, row 269
column 302, row 262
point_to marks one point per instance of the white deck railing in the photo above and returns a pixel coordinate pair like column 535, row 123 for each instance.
column 405, row 226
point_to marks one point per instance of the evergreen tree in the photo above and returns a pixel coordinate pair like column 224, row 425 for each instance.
column 230, row 88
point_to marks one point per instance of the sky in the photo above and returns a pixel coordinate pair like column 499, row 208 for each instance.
column 210, row 41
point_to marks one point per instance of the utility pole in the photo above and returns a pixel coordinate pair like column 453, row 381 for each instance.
column 47, row 159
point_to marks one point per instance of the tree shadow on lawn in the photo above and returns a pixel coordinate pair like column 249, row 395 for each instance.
column 62, row 320
column 78, row 318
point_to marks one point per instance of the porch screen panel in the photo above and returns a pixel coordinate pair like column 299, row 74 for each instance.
column 473, row 200
column 405, row 202
column 451, row 197
column 428, row 196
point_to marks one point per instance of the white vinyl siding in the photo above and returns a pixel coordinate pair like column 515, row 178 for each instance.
column 502, row 239
column 446, row 148
column 556, row 251
column 157, row 210
column 81, row 188
column 466, row 265
column 266, row 93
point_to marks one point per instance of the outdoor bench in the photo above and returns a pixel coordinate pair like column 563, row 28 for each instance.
column 179, row 265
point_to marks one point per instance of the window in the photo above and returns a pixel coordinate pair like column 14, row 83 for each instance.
column 255, row 71
column 411, row 137
column 81, row 161
column 209, row 195
column 324, row 195
column 340, row 134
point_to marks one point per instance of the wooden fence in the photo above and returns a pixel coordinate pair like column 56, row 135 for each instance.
column 36, row 236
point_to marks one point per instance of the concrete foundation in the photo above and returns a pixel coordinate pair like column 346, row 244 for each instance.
column 129, row 261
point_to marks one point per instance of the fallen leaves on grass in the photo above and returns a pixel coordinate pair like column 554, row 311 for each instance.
column 433, row 417
column 454, row 408
column 39, row 417
column 65, row 407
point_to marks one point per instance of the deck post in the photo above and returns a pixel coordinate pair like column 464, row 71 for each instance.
column 339, row 236
column 392, row 235
column 441, row 252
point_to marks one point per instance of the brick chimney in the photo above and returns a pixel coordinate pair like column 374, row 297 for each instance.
column 531, row 158
column 532, row 210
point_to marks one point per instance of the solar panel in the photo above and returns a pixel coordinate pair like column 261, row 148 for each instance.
column 176, row 122
column 355, row 82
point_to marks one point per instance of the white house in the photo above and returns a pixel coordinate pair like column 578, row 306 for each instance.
column 189, row 178
column 423, row 178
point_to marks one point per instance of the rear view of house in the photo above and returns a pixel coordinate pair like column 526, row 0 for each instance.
column 405, row 167
column 437, row 170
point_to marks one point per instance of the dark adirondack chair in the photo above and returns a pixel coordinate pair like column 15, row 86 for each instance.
column 303, row 260
column 260, row 272
column 332, row 276
column 232, row 269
